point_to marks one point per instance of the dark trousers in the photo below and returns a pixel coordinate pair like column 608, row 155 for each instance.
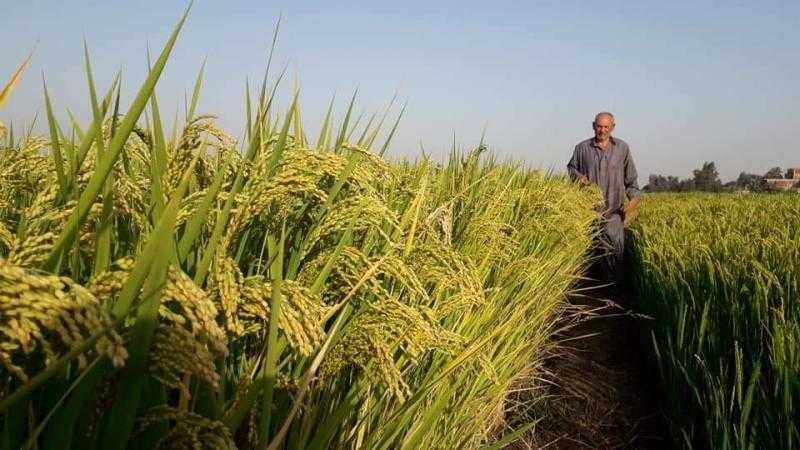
column 612, row 249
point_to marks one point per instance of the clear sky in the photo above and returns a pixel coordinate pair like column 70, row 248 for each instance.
column 688, row 81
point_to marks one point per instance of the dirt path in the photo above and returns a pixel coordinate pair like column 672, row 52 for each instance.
column 605, row 398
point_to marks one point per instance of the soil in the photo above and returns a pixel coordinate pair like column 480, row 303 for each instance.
column 602, row 396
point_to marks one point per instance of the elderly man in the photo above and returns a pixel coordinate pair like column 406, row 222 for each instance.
column 606, row 161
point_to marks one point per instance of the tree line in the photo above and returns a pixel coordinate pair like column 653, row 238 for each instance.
column 706, row 179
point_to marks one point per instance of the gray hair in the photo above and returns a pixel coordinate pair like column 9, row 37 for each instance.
column 604, row 113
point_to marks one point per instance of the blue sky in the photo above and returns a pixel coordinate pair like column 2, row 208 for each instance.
column 688, row 81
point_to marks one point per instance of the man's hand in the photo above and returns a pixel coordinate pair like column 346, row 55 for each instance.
column 584, row 181
column 630, row 211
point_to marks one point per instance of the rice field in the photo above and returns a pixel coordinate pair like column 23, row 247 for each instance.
column 720, row 274
column 166, row 285
column 179, row 289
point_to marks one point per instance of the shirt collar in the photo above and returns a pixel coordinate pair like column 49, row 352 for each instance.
column 610, row 139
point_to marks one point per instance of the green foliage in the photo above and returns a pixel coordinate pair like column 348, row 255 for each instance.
column 774, row 172
column 719, row 274
column 706, row 178
column 751, row 182
column 661, row 183
column 183, row 290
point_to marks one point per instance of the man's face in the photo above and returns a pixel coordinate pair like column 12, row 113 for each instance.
column 603, row 126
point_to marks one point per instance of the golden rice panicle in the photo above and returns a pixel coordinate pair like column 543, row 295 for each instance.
column 31, row 251
column 6, row 237
column 24, row 170
column 41, row 208
column 44, row 316
column 394, row 269
column 187, row 431
column 346, row 272
column 183, row 304
column 295, row 183
column 107, row 284
column 197, row 137
column 186, row 305
column 130, row 201
column 189, row 339
column 225, row 284
column 443, row 218
column 301, row 314
column 137, row 151
column 456, row 282
column 189, row 205
column 350, row 267
column 176, row 352
column 44, row 214
column 493, row 235
column 356, row 213
column 372, row 172
column 378, row 332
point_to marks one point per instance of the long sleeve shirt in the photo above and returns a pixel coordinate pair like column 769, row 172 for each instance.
column 612, row 170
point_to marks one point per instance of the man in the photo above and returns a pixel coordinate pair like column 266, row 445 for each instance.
column 606, row 161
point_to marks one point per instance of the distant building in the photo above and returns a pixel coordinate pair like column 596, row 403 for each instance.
column 792, row 180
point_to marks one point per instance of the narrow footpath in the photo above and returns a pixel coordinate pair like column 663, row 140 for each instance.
column 604, row 396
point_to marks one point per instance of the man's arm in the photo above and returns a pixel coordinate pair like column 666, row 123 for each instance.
column 631, row 189
column 574, row 168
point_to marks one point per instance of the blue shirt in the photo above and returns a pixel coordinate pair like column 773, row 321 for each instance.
column 612, row 170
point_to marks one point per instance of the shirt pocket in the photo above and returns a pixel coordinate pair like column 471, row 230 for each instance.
column 616, row 173
column 617, row 164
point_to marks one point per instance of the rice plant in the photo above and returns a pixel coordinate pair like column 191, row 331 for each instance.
column 184, row 290
column 720, row 275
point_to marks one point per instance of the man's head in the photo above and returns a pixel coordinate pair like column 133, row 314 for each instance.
column 603, row 125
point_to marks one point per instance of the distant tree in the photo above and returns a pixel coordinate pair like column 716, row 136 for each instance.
column 730, row 186
column 673, row 183
column 686, row 185
column 668, row 183
column 751, row 182
column 707, row 178
column 775, row 172
column 649, row 187
column 661, row 183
